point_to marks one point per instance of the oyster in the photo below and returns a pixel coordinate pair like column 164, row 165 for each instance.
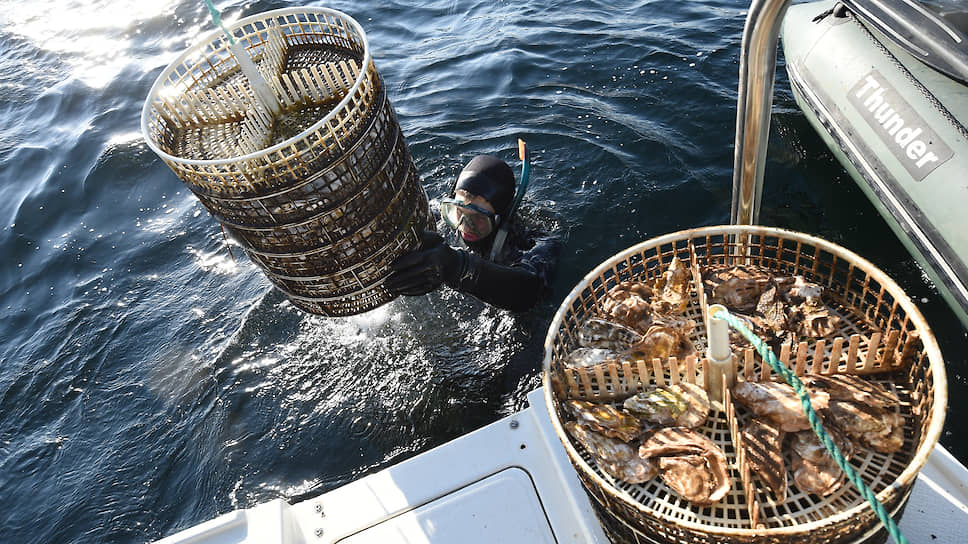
column 798, row 290
column 878, row 428
column 819, row 479
column 662, row 342
column 606, row 419
column 682, row 405
column 628, row 303
column 700, row 479
column 689, row 463
column 737, row 287
column 681, row 324
column 762, row 442
column 814, row 320
column 814, row 470
column 602, row 334
column 778, row 403
column 657, row 405
column 615, row 457
column 672, row 289
column 588, row 357
column 674, row 441
column 852, row 388
column 808, row 446
column 772, row 309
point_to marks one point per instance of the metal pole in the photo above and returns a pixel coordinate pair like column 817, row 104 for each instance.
column 757, row 68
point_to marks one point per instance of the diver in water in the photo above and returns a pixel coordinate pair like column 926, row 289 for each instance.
column 512, row 275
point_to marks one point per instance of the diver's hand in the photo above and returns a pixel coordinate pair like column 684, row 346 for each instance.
column 424, row 270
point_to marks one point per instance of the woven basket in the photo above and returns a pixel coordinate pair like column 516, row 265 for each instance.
column 322, row 195
column 883, row 337
column 324, row 189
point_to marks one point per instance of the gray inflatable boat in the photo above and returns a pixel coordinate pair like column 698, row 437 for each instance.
column 885, row 83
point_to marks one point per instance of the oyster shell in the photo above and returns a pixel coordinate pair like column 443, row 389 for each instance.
column 819, row 479
column 778, row 403
column 689, row 463
column 700, row 479
column 698, row 411
column 878, row 428
column 681, row 324
column 603, row 334
column 814, row 320
column 582, row 357
column 852, row 388
column 736, row 287
column 814, row 470
column 605, row 419
column 657, row 405
column 808, row 446
column 762, row 442
column 683, row 405
column 672, row 289
column 780, row 308
column 800, row 291
column 628, row 304
column 772, row 309
column 615, row 457
column 675, row 441
column 662, row 342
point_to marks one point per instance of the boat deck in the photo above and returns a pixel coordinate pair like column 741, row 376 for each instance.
column 509, row 482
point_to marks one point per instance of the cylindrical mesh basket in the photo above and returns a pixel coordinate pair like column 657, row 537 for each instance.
column 323, row 195
column 882, row 336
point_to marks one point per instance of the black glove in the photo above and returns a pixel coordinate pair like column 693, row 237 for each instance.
column 424, row 270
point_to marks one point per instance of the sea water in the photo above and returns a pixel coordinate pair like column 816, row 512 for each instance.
column 150, row 379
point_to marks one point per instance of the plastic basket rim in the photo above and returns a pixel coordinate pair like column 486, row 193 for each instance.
column 214, row 35
column 907, row 476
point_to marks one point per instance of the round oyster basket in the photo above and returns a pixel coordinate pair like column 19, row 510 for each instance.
column 881, row 336
column 316, row 182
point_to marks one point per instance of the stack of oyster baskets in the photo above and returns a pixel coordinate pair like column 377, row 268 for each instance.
column 319, row 188
column 882, row 337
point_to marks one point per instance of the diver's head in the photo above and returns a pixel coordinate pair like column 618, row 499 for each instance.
column 482, row 199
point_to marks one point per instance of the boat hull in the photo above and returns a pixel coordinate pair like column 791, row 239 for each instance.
column 893, row 123
column 394, row 497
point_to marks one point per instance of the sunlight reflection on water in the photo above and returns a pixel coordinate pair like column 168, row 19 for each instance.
column 93, row 36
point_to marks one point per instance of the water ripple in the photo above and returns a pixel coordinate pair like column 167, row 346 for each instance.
column 149, row 381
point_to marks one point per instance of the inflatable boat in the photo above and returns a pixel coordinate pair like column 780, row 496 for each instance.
column 885, row 83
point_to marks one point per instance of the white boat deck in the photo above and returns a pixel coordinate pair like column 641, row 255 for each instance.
column 509, row 482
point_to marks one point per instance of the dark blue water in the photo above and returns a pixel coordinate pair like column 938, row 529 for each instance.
column 148, row 382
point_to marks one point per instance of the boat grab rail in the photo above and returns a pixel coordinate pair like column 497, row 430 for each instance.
column 757, row 71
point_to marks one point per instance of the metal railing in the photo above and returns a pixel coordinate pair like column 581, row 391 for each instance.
column 757, row 69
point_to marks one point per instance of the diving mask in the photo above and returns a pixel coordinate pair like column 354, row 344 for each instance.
column 468, row 218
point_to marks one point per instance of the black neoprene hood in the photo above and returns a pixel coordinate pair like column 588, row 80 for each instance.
column 491, row 178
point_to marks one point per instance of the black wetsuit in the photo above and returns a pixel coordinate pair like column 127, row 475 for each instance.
column 515, row 280
column 518, row 276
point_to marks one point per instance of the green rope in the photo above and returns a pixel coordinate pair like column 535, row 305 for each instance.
column 767, row 354
column 217, row 19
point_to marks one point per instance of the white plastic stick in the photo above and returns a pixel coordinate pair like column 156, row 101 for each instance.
column 717, row 334
column 259, row 86
column 722, row 372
